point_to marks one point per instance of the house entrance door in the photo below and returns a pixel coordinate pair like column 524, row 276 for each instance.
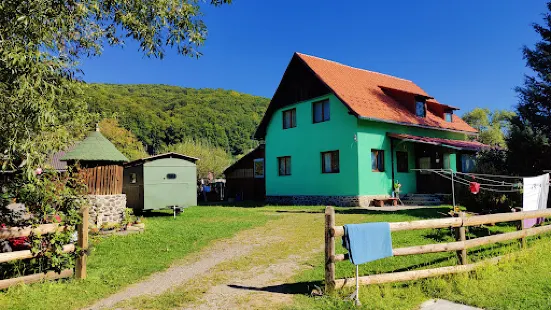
column 431, row 157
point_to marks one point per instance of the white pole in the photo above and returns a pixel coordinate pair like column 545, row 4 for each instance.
column 453, row 191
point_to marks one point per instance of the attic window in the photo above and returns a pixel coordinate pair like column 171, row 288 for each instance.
column 448, row 116
column 420, row 107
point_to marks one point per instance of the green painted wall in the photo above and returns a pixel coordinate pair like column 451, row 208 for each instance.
column 304, row 144
column 161, row 192
column 354, row 138
column 372, row 135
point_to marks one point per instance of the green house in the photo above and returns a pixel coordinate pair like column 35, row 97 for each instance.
column 340, row 135
column 161, row 181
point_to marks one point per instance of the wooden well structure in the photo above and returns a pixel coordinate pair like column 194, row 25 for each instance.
column 100, row 163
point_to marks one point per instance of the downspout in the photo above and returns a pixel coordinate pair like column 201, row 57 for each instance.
column 392, row 162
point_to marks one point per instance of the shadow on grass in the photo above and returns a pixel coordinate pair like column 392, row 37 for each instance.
column 429, row 212
column 299, row 288
column 235, row 204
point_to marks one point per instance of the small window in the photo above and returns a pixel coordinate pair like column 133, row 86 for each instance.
column 320, row 111
column 171, row 176
column 377, row 160
column 424, row 163
column 448, row 117
column 420, row 108
column 330, row 162
column 133, row 178
column 259, row 168
column 290, row 118
column 402, row 162
column 284, row 165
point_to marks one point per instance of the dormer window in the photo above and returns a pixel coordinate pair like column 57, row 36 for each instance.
column 420, row 107
column 448, row 116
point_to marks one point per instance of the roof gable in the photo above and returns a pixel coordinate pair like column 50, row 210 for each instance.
column 161, row 156
column 363, row 92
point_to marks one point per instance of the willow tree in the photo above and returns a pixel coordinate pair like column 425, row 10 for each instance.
column 41, row 42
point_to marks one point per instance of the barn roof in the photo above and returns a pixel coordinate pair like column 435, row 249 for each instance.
column 95, row 147
column 160, row 156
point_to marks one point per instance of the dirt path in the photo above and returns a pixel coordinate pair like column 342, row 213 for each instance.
column 259, row 288
column 231, row 271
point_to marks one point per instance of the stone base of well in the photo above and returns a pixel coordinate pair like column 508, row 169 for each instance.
column 106, row 208
column 340, row 201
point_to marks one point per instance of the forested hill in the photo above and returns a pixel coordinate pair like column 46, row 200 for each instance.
column 162, row 115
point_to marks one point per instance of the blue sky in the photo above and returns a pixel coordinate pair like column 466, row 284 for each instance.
column 464, row 53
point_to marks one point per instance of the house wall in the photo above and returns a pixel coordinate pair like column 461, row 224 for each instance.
column 304, row 144
column 354, row 138
column 373, row 135
column 161, row 192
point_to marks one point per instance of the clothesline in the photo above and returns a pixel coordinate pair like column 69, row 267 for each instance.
column 485, row 187
column 463, row 174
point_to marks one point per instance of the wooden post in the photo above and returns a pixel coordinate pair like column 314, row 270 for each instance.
column 82, row 244
column 523, row 239
column 329, row 249
column 461, row 236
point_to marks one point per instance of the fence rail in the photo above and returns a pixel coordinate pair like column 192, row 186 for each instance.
column 460, row 246
column 15, row 232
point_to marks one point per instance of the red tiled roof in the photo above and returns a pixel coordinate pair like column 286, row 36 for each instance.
column 362, row 91
column 456, row 144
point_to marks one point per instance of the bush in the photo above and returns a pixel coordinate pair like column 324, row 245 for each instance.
column 493, row 161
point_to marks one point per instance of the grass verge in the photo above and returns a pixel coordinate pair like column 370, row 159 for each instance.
column 520, row 282
column 116, row 262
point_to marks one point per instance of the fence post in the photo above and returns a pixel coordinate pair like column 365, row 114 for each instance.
column 461, row 236
column 329, row 250
column 82, row 244
column 523, row 239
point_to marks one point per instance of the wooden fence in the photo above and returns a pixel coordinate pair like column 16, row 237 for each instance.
column 16, row 232
column 103, row 180
column 460, row 246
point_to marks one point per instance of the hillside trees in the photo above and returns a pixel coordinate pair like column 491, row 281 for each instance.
column 161, row 115
column 124, row 140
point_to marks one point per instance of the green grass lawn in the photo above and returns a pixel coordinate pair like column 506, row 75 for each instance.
column 522, row 282
column 116, row 262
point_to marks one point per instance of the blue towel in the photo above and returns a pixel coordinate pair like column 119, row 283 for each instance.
column 367, row 242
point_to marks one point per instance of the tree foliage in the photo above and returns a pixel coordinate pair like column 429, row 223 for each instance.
column 528, row 143
column 124, row 140
column 493, row 126
column 41, row 99
column 211, row 158
column 161, row 115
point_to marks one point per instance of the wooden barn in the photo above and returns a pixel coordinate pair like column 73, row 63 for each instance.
column 160, row 182
column 245, row 178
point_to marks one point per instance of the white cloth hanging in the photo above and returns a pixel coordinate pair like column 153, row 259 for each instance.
column 534, row 197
